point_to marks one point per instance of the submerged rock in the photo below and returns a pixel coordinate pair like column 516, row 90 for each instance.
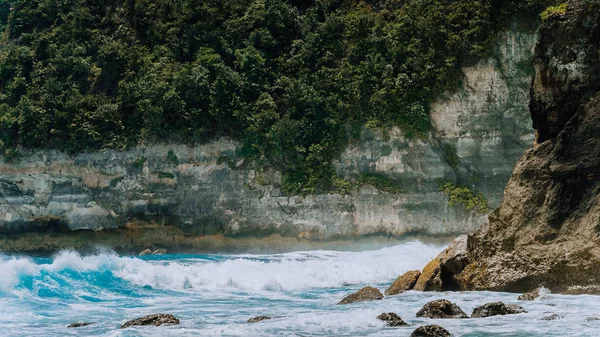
column 156, row 320
column 149, row 251
column 495, row 309
column 258, row 319
column 430, row 331
column 591, row 319
column 553, row 317
column 530, row 296
column 79, row 325
column 363, row 295
column 403, row 283
column 441, row 309
column 392, row 319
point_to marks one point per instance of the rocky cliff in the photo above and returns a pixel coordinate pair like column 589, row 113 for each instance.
column 547, row 230
column 479, row 133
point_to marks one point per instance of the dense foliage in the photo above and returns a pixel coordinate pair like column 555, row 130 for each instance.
column 460, row 195
column 289, row 78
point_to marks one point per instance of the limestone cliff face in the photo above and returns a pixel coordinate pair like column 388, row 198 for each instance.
column 547, row 231
column 479, row 133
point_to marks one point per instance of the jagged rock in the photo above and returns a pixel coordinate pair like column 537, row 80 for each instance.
column 146, row 252
column 440, row 273
column 363, row 295
column 392, row 319
column 591, row 319
column 441, row 309
column 79, row 325
column 403, row 283
column 430, row 331
column 495, row 309
column 258, row 319
column 530, row 296
column 544, row 232
column 156, row 320
column 553, row 317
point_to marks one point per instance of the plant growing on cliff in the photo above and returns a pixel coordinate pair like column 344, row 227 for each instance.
column 464, row 196
column 559, row 9
column 380, row 182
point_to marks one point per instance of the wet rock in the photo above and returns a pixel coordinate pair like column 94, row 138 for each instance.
column 363, row 295
column 495, row 309
column 149, row 251
column 430, row 331
column 258, row 319
column 430, row 279
column 156, row 320
column 403, row 283
column 441, row 309
column 531, row 295
column 553, row 317
column 79, row 325
column 392, row 319
column 591, row 319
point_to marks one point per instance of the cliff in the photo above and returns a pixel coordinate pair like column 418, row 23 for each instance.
column 479, row 133
column 546, row 232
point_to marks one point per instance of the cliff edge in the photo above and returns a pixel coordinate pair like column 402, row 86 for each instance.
column 547, row 230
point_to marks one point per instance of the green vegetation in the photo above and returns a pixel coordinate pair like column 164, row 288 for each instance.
column 451, row 155
column 139, row 163
column 165, row 175
column 559, row 9
column 379, row 181
column 286, row 77
column 464, row 196
column 172, row 158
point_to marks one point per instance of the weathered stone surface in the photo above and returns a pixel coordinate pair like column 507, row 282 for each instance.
column 496, row 309
column 530, row 296
column 441, row 309
column 363, row 295
column 430, row 331
column 392, row 319
column 440, row 274
column 553, row 317
column 149, row 251
column 156, row 320
column 80, row 325
column 258, row 319
column 430, row 279
column 546, row 231
column 403, row 283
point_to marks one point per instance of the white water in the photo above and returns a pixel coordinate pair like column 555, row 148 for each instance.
column 214, row 295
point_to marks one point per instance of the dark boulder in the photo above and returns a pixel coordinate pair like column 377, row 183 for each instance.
column 156, row 320
column 553, row 317
column 392, row 319
column 441, row 309
column 363, row 295
column 430, row 331
column 530, row 296
column 258, row 319
column 79, row 325
column 495, row 309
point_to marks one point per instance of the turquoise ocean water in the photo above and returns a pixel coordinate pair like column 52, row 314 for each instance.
column 214, row 295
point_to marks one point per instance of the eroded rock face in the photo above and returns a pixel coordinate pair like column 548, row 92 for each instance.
column 363, row 295
column 441, row 309
column 392, row 319
column 430, row 331
column 440, row 273
column 496, row 309
column 530, row 296
column 403, row 283
column 156, row 320
column 546, row 233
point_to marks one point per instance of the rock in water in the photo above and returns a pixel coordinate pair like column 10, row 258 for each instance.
column 440, row 274
column 258, row 319
column 156, row 320
column 531, row 295
column 430, row 331
column 495, row 309
column 146, row 252
column 441, row 309
column 363, row 295
column 553, row 317
column 392, row 319
column 591, row 319
column 403, row 283
column 149, row 251
column 544, row 232
column 79, row 325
